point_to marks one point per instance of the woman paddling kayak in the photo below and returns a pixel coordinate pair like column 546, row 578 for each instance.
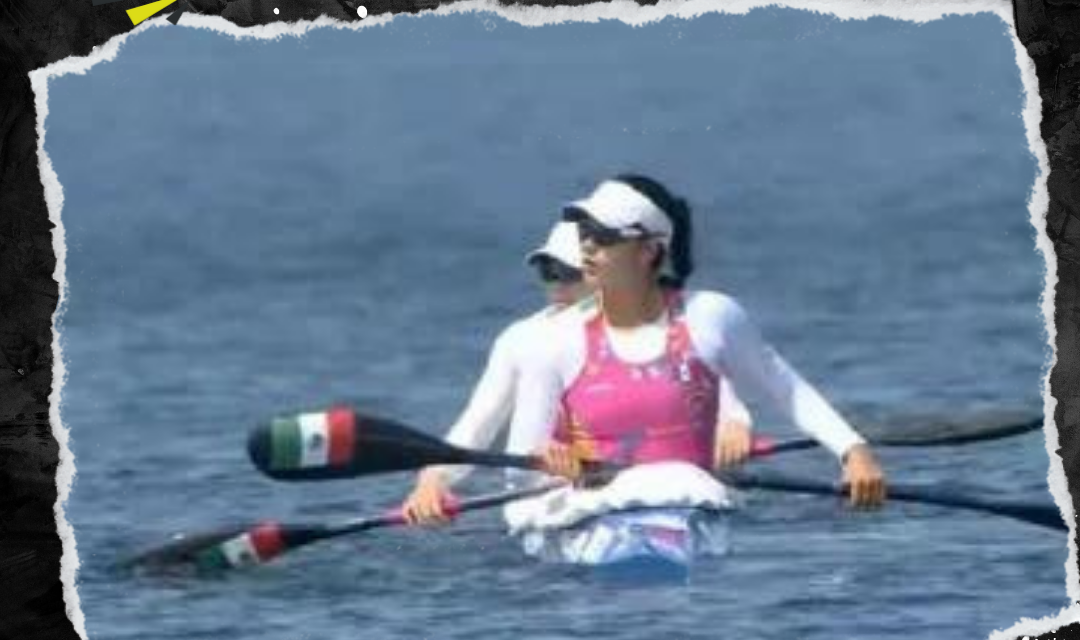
column 631, row 379
column 499, row 390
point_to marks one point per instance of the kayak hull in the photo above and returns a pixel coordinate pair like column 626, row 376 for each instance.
column 634, row 545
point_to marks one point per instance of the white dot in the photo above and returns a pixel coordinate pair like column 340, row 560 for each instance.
column 361, row 11
column 276, row 11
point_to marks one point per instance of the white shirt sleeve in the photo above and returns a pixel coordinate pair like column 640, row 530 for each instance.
column 732, row 344
column 537, row 401
column 544, row 373
column 490, row 406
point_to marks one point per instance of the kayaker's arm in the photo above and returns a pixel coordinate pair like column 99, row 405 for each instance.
column 488, row 409
column 754, row 365
column 540, row 387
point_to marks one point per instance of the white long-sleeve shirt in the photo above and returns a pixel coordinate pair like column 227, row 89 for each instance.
column 504, row 389
column 723, row 337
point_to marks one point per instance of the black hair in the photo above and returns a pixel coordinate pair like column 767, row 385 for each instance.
column 678, row 212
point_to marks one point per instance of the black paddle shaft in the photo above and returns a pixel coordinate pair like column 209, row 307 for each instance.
column 205, row 551
column 342, row 443
column 1042, row 515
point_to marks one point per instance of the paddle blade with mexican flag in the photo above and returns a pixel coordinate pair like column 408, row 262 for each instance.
column 225, row 548
column 340, row 443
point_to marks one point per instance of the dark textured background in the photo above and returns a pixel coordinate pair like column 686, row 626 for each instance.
column 36, row 33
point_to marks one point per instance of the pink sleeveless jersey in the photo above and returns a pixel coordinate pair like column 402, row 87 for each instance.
column 629, row 413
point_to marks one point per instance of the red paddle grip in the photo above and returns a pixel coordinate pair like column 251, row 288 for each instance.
column 762, row 446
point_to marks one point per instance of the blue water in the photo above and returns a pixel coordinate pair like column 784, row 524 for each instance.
column 255, row 227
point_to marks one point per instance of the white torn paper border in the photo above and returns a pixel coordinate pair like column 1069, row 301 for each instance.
column 630, row 13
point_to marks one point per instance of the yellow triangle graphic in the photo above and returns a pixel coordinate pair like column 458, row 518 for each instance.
column 138, row 14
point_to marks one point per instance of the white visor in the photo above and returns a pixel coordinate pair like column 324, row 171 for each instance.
column 562, row 244
column 617, row 205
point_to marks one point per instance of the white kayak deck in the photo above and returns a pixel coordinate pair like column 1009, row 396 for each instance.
column 668, row 513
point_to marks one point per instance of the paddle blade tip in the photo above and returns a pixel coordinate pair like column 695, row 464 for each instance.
column 181, row 556
column 213, row 552
column 258, row 448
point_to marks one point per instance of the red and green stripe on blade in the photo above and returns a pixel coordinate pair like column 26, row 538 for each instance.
column 313, row 440
column 256, row 546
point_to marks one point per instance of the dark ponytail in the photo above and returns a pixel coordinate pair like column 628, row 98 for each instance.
column 678, row 212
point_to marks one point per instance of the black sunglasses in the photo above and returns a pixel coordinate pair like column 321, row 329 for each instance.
column 601, row 236
column 552, row 271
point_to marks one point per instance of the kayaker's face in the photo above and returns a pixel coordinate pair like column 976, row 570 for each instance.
column 623, row 265
column 563, row 284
